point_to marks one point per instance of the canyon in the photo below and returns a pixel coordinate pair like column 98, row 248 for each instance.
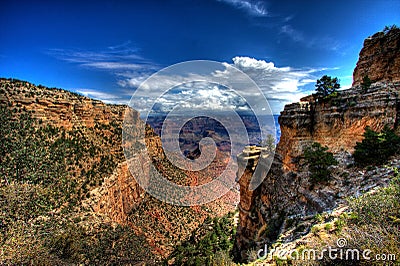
column 105, row 181
column 109, row 195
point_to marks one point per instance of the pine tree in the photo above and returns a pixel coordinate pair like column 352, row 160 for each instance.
column 326, row 86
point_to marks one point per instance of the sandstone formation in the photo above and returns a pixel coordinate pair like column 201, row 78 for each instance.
column 119, row 194
column 379, row 58
column 338, row 124
column 59, row 107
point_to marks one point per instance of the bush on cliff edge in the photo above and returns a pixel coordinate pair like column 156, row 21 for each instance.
column 376, row 147
column 326, row 87
column 319, row 160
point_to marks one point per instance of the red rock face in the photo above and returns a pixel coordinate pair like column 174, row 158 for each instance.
column 338, row 124
column 379, row 58
column 59, row 107
column 119, row 194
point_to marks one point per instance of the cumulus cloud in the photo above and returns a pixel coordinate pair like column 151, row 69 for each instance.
column 216, row 98
column 279, row 85
column 163, row 95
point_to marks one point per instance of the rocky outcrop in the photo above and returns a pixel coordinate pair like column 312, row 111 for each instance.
column 337, row 123
column 118, row 195
column 58, row 107
column 379, row 58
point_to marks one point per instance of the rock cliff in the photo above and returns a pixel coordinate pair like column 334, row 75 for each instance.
column 379, row 58
column 58, row 107
column 337, row 123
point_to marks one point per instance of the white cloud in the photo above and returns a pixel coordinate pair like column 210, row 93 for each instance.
column 116, row 58
column 253, row 8
column 186, row 97
column 133, row 82
column 103, row 96
column 320, row 42
column 280, row 85
column 305, row 81
column 122, row 61
column 112, row 65
column 251, row 63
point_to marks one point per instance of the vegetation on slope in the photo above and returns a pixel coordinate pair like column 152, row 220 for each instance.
column 376, row 147
column 369, row 221
column 372, row 223
column 45, row 172
column 51, row 164
column 319, row 160
column 210, row 244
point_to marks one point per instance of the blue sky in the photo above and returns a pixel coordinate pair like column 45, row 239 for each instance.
column 105, row 49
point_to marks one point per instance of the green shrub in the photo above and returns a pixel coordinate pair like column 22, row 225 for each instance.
column 328, row 226
column 390, row 28
column 339, row 224
column 221, row 258
column 319, row 218
column 366, row 83
column 319, row 160
column 208, row 245
column 327, row 86
column 376, row 147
